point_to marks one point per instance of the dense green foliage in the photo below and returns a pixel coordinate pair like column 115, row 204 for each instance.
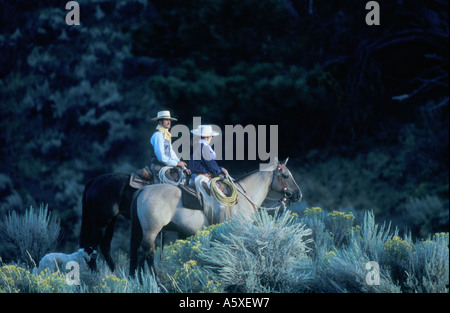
column 362, row 111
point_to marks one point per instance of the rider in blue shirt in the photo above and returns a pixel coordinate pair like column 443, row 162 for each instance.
column 203, row 160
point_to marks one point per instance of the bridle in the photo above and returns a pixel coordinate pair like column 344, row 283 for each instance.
column 287, row 194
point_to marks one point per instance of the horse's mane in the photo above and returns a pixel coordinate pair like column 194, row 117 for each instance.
column 246, row 175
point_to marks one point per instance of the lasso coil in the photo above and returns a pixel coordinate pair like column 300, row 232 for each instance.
column 223, row 199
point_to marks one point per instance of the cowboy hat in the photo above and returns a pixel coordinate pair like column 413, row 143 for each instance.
column 162, row 115
column 204, row 131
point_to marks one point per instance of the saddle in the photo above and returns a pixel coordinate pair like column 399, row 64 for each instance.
column 141, row 178
column 190, row 198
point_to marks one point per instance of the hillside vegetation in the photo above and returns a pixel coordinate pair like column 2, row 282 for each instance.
column 362, row 113
column 283, row 252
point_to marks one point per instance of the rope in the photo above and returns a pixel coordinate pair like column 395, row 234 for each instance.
column 163, row 178
column 227, row 201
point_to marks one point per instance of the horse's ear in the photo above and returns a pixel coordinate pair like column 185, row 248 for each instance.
column 285, row 162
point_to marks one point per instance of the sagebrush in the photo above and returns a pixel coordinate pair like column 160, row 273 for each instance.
column 31, row 235
column 313, row 251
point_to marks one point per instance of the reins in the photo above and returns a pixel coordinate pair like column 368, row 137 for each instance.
column 242, row 191
column 286, row 192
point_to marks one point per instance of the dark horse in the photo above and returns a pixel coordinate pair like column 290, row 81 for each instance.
column 104, row 198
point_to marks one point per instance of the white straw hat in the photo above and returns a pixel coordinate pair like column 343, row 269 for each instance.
column 162, row 115
column 204, row 131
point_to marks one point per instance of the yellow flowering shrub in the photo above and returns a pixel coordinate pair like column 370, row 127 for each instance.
column 15, row 279
column 337, row 215
column 10, row 278
column 52, row 282
column 179, row 262
column 111, row 283
column 444, row 236
column 328, row 256
column 397, row 248
column 311, row 212
column 340, row 224
column 189, row 277
column 433, row 243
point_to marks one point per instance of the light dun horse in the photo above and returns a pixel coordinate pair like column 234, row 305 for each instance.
column 157, row 206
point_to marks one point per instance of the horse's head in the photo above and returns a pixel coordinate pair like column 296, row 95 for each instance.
column 284, row 182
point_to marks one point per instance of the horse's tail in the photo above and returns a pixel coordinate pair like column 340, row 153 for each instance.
column 136, row 234
column 86, row 223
